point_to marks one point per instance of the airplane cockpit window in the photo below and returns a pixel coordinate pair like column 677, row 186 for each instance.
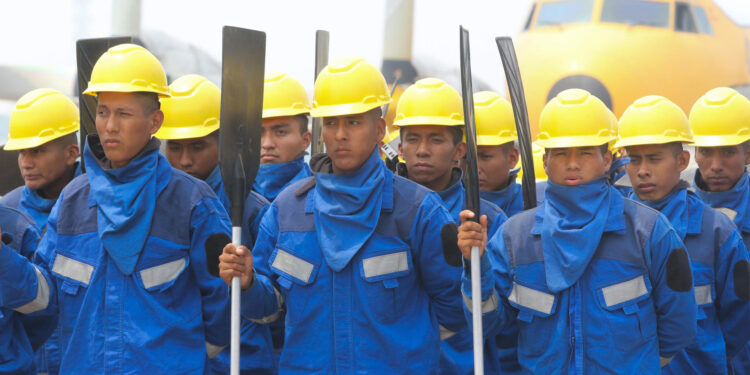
column 531, row 16
column 563, row 12
column 703, row 22
column 636, row 12
column 683, row 19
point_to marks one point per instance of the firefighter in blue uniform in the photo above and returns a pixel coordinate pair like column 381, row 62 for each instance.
column 352, row 255
column 430, row 120
column 43, row 129
column 123, row 262
column 720, row 121
column 284, row 136
column 597, row 283
column 19, row 234
column 653, row 130
column 191, row 130
column 497, row 155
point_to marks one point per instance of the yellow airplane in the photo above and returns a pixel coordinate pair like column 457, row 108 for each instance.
column 621, row 50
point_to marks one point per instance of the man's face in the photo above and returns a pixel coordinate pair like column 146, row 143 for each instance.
column 195, row 156
column 494, row 163
column 654, row 170
column 430, row 154
column 351, row 139
column 123, row 125
column 576, row 165
column 721, row 167
column 281, row 140
column 45, row 165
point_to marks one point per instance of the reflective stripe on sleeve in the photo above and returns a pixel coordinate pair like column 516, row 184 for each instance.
column 489, row 305
column 41, row 300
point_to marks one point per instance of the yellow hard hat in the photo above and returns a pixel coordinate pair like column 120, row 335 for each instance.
column 653, row 120
column 128, row 68
column 429, row 101
column 39, row 117
column 348, row 86
column 574, row 118
column 283, row 96
column 720, row 118
column 537, row 155
column 193, row 109
column 494, row 119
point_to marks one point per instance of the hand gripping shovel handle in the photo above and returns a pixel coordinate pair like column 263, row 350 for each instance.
column 472, row 196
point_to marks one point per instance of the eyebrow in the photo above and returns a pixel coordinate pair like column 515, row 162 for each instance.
column 104, row 106
column 279, row 126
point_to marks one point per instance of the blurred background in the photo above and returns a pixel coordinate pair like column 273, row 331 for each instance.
column 618, row 49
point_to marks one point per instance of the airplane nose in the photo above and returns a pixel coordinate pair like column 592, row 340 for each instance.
column 590, row 84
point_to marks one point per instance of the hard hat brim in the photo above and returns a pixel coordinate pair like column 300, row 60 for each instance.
column 15, row 144
column 718, row 140
column 346, row 109
column 187, row 132
column 427, row 120
column 575, row 141
column 493, row 140
column 283, row 112
column 650, row 140
column 95, row 89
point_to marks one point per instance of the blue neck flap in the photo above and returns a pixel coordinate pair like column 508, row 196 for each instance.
column 273, row 178
column 36, row 206
column 216, row 183
column 125, row 199
column 454, row 197
column 573, row 223
column 736, row 199
column 509, row 198
column 347, row 210
column 674, row 206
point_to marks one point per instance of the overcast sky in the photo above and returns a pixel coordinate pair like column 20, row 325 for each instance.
column 43, row 32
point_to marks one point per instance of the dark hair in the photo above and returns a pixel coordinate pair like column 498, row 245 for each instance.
column 303, row 120
column 149, row 102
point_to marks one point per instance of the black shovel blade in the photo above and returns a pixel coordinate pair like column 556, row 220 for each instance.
column 471, row 182
column 243, row 66
column 518, row 100
column 88, row 51
column 321, row 60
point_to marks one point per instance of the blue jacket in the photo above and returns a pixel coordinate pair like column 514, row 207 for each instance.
column 509, row 199
column 716, row 254
column 16, row 347
column 735, row 203
column 168, row 316
column 383, row 312
column 256, row 351
column 47, row 357
column 633, row 302
column 457, row 351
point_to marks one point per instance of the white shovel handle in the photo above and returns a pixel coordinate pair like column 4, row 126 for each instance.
column 234, row 354
column 476, row 314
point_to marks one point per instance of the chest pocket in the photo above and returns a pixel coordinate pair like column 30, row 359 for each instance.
column 627, row 308
column 295, row 274
column 383, row 273
column 535, row 321
column 705, row 291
